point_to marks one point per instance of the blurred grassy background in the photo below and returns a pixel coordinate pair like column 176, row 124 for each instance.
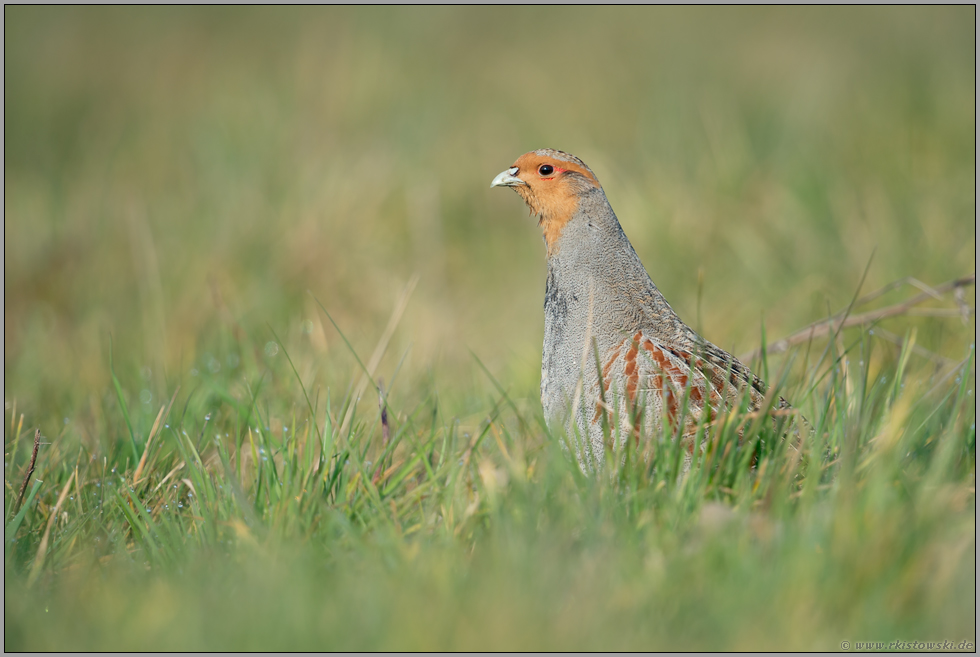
column 176, row 175
column 181, row 179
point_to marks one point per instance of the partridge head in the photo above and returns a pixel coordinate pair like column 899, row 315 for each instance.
column 617, row 362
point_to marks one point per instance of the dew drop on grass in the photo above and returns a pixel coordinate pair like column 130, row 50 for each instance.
column 271, row 349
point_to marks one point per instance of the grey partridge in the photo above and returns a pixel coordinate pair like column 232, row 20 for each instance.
column 617, row 362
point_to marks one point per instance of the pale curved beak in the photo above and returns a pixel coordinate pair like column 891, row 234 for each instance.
column 507, row 179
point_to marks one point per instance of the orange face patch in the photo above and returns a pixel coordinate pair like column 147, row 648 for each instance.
column 551, row 193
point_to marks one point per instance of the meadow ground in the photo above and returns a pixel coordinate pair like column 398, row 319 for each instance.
column 217, row 221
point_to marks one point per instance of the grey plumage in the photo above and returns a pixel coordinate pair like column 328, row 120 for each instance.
column 616, row 358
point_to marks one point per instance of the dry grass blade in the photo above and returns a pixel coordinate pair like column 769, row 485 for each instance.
column 43, row 547
column 164, row 412
column 379, row 350
column 146, row 447
column 169, row 475
column 841, row 321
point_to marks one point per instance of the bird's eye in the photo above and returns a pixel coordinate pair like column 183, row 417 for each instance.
column 546, row 169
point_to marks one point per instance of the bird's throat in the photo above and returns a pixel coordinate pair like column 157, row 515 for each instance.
column 554, row 212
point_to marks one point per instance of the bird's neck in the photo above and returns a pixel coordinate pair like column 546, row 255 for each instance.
column 594, row 271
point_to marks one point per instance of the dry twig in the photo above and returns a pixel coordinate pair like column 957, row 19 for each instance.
column 30, row 469
column 841, row 320
column 385, row 430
